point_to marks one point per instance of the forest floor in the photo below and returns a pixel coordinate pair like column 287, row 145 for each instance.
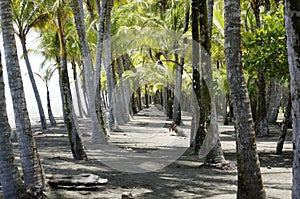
column 148, row 161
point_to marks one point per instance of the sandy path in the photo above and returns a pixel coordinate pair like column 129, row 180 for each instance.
column 133, row 155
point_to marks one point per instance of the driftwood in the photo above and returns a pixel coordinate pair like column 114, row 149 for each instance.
column 85, row 179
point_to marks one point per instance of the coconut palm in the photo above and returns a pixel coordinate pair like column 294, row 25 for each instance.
column 99, row 49
column 32, row 170
column 73, row 130
column 108, row 64
column 250, row 183
column 97, row 134
column 49, row 49
column 11, row 183
column 46, row 79
column 26, row 15
column 292, row 8
column 59, row 20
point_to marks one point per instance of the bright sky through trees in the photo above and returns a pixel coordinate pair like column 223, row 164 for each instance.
column 36, row 60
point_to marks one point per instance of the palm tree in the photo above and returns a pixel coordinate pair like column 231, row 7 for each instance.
column 285, row 125
column 196, row 132
column 292, row 8
column 49, row 49
column 46, row 79
column 98, row 96
column 59, row 19
column 12, row 185
column 73, row 131
column 250, row 183
column 32, row 170
column 27, row 15
column 97, row 134
column 108, row 64
column 216, row 154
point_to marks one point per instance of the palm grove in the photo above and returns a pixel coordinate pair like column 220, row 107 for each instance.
column 125, row 61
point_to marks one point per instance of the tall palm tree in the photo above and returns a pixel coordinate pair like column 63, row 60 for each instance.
column 49, row 49
column 98, row 96
column 73, row 130
column 46, row 79
column 250, row 183
column 59, row 18
column 216, row 154
column 196, row 132
column 108, row 64
column 27, row 15
column 97, row 134
column 32, row 170
column 12, row 185
column 292, row 21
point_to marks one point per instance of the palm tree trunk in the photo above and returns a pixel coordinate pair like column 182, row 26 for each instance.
column 276, row 91
column 215, row 154
column 177, row 93
column 98, row 136
column 146, row 96
column 61, row 92
column 126, row 85
column 72, row 128
column 139, row 99
column 98, row 96
column 34, row 87
column 170, row 101
column 210, row 12
column 108, row 65
column 285, row 125
column 122, row 89
column 79, row 103
column 196, row 132
column 261, row 124
column 292, row 21
column 32, row 170
column 250, row 183
column 50, row 114
column 11, row 183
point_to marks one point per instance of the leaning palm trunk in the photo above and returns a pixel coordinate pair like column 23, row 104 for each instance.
column 261, row 124
column 276, row 92
column 61, row 90
column 79, row 103
column 33, row 175
column 124, row 116
column 284, row 127
column 75, row 141
column 98, row 96
column 215, row 154
column 292, row 21
column 98, row 136
column 250, row 183
column 197, row 140
column 177, row 93
column 70, row 120
column 108, row 65
column 12, row 185
column 34, row 87
column 50, row 114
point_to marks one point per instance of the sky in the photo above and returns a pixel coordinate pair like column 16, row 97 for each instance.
column 35, row 61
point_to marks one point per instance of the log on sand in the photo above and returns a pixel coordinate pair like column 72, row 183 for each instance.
column 84, row 179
